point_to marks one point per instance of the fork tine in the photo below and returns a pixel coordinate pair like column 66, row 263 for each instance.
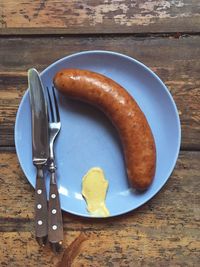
column 56, row 105
column 50, row 103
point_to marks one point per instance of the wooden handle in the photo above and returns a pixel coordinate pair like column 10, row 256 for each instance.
column 41, row 218
column 55, row 232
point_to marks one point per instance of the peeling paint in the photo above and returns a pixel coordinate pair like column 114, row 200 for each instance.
column 103, row 11
column 178, row 3
column 145, row 14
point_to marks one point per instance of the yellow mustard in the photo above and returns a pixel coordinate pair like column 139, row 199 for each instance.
column 94, row 189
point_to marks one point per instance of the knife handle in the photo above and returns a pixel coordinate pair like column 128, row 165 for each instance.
column 55, row 229
column 41, row 219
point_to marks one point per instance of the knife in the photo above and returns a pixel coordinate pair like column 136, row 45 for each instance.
column 40, row 152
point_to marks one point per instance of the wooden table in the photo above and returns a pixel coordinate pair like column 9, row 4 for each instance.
column 164, row 35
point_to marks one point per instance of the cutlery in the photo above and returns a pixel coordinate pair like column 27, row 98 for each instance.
column 40, row 152
column 55, row 225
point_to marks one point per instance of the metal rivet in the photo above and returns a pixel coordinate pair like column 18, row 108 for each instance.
column 53, row 196
column 40, row 222
column 54, row 227
column 39, row 191
column 39, row 206
column 54, row 211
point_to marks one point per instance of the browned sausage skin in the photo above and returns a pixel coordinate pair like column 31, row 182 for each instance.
column 135, row 133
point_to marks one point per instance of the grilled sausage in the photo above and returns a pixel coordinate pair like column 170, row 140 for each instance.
column 134, row 131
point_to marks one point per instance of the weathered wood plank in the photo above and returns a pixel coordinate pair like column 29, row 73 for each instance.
column 163, row 232
column 112, row 16
column 176, row 61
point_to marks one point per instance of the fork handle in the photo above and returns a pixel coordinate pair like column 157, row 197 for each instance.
column 55, row 229
column 41, row 220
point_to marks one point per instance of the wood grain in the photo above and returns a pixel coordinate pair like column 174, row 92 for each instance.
column 108, row 16
column 175, row 60
column 163, row 232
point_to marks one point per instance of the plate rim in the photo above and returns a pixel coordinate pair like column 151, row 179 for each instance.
column 178, row 123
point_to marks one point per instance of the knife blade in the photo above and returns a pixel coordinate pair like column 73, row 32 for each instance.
column 40, row 151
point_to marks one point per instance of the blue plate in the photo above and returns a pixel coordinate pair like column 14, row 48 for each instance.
column 88, row 139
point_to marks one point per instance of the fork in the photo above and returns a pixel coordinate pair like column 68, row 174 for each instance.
column 55, row 225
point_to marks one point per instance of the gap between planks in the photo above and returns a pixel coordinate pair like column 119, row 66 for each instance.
column 175, row 34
